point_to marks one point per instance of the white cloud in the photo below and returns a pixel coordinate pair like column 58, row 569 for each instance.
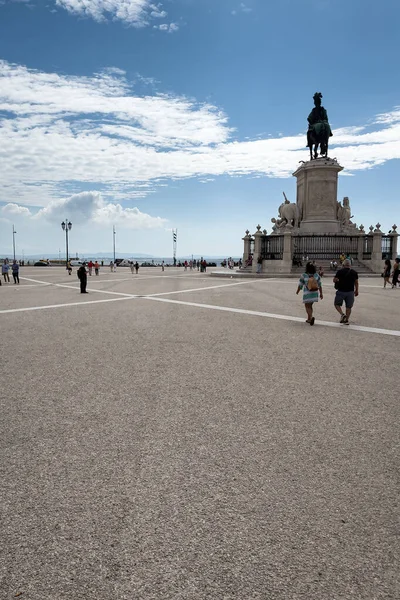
column 59, row 133
column 16, row 210
column 133, row 12
column 138, row 13
column 169, row 27
column 242, row 8
column 90, row 206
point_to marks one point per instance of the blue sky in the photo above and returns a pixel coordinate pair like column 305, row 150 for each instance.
column 188, row 114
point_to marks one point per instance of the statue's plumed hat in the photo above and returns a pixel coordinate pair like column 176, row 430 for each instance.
column 317, row 95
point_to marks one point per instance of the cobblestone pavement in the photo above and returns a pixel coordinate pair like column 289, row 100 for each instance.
column 175, row 436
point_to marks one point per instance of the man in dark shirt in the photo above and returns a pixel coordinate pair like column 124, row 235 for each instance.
column 82, row 276
column 346, row 284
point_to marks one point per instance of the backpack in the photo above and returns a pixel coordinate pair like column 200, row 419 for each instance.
column 312, row 284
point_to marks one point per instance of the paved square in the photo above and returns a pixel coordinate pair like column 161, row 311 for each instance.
column 172, row 435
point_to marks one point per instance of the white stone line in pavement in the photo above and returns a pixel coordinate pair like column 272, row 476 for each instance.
column 64, row 305
column 64, row 285
column 76, row 287
column 211, row 287
column 27, row 285
column 325, row 282
column 275, row 316
column 36, row 281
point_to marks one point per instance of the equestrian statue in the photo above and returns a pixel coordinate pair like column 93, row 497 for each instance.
column 319, row 130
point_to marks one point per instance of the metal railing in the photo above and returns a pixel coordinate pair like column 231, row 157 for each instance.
column 324, row 247
column 272, row 247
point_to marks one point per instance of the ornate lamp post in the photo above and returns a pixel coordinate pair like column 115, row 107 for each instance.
column 14, row 232
column 66, row 226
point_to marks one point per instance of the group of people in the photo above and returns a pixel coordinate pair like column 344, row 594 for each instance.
column 5, row 271
column 346, row 285
column 394, row 272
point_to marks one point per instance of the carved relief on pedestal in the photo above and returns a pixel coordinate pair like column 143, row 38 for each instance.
column 319, row 202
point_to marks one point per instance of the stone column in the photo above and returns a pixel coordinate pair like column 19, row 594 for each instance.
column 287, row 251
column 395, row 236
column 360, row 249
column 257, row 248
column 376, row 258
column 317, row 196
column 246, row 247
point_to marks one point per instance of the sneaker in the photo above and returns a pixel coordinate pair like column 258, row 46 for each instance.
column 345, row 320
column 342, row 318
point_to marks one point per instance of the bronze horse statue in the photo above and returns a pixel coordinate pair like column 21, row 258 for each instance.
column 319, row 130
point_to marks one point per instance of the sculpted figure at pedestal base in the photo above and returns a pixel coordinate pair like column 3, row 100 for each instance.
column 344, row 215
column 289, row 212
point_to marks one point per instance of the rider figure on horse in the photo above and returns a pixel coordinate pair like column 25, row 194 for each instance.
column 319, row 130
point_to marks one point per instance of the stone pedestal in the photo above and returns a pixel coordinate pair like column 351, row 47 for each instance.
column 395, row 237
column 376, row 258
column 257, row 248
column 317, row 196
column 246, row 247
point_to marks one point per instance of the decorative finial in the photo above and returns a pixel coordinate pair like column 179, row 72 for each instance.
column 394, row 227
column 264, row 231
column 371, row 228
column 378, row 228
column 247, row 232
column 361, row 228
column 258, row 227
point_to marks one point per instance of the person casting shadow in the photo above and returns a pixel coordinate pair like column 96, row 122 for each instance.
column 82, row 276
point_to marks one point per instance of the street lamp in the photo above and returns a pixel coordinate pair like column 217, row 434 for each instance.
column 14, row 232
column 66, row 226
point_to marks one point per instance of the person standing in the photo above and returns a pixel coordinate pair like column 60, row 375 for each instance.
column 346, row 284
column 137, row 267
column 82, row 276
column 310, row 283
column 69, row 267
column 5, row 267
column 15, row 272
column 96, row 268
column 162, row 266
column 90, row 267
column 396, row 272
column 111, row 266
column 386, row 272
column 115, row 267
column 259, row 264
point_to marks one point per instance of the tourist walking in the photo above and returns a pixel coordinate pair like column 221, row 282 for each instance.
column 96, row 268
column 15, row 272
column 5, row 267
column 310, row 283
column 346, row 284
column 82, row 276
column 69, row 267
column 259, row 264
column 396, row 272
column 387, row 269
column 162, row 266
column 111, row 266
column 137, row 267
column 90, row 267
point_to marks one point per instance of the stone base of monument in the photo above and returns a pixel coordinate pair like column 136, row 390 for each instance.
column 317, row 196
column 316, row 228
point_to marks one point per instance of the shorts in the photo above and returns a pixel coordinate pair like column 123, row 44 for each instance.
column 347, row 297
